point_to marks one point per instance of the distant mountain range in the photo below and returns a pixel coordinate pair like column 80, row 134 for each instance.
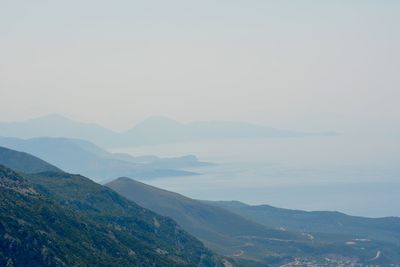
column 273, row 236
column 80, row 156
column 54, row 218
column 153, row 131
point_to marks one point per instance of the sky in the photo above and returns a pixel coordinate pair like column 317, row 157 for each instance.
column 304, row 65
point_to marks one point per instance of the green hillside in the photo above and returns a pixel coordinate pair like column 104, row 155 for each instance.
column 318, row 222
column 218, row 228
column 239, row 237
column 58, row 219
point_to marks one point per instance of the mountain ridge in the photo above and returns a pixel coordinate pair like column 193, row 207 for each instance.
column 333, row 222
column 243, row 238
column 60, row 219
column 151, row 131
column 80, row 156
column 24, row 162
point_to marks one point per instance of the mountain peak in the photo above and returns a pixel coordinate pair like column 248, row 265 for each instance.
column 123, row 179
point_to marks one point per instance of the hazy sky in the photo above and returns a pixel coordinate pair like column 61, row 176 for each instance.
column 320, row 65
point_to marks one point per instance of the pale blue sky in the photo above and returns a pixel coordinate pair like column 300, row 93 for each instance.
column 307, row 65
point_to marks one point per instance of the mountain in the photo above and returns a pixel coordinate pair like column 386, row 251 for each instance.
column 80, row 156
column 160, row 130
column 53, row 218
column 318, row 222
column 56, row 126
column 215, row 226
column 152, row 131
column 240, row 237
column 61, row 219
column 24, row 162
